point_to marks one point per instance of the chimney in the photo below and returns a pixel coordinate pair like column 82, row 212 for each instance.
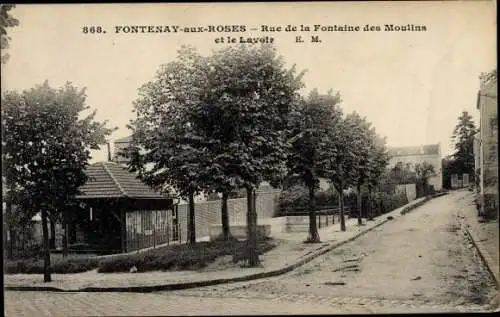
column 109, row 153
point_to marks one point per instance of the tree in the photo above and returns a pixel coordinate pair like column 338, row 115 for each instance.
column 309, row 131
column 377, row 163
column 46, row 148
column 463, row 138
column 167, row 147
column 6, row 21
column 447, row 167
column 402, row 174
column 361, row 134
column 343, row 158
column 244, row 118
column 424, row 171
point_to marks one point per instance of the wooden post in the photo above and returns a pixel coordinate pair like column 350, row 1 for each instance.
column 65, row 241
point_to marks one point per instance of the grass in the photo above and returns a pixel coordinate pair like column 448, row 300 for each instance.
column 171, row 258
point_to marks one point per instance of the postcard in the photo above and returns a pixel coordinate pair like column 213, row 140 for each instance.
column 250, row 158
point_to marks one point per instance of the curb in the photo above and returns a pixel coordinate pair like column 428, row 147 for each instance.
column 181, row 286
column 484, row 258
column 422, row 202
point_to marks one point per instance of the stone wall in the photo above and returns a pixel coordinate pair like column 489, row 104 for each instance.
column 208, row 213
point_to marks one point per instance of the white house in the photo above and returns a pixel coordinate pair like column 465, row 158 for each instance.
column 412, row 155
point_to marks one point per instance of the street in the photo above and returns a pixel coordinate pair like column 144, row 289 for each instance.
column 421, row 262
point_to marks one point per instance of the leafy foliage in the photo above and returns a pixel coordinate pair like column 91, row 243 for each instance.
column 424, row 170
column 6, row 21
column 171, row 258
column 378, row 159
column 342, row 156
column 214, row 123
column 243, row 117
column 249, row 96
column 463, row 137
column 166, row 148
column 46, row 148
column 298, row 197
column 310, row 127
column 371, row 158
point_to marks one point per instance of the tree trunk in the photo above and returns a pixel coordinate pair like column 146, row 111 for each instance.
column 342, row 215
column 12, row 241
column 65, row 241
column 252, row 256
column 360, row 215
column 313, row 228
column 11, row 245
column 369, row 205
column 52, row 240
column 7, row 254
column 46, row 249
column 10, row 225
column 191, row 222
column 225, row 217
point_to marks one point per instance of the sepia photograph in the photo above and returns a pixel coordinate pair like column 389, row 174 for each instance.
column 251, row 158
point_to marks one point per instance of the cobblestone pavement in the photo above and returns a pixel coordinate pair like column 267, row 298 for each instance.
column 417, row 263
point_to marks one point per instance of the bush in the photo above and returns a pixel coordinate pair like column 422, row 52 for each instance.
column 381, row 202
column 293, row 197
column 327, row 198
column 180, row 257
column 64, row 266
column 33, row 251
column 298, row 197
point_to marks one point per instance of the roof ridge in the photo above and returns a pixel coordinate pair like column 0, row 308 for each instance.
column 114, row 179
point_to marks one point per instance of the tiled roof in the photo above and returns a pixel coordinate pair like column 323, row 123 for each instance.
column 111, row 180
column 429, row 149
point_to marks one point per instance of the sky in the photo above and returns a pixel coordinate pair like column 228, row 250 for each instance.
column 412, row 86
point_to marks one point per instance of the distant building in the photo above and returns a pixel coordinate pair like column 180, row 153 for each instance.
column 486, row 143
column 412, row 155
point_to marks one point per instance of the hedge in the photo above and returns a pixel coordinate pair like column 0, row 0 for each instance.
column 178, row 257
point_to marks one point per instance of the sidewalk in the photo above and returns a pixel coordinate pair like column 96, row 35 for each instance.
column 484, row 235
column 290, row 253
